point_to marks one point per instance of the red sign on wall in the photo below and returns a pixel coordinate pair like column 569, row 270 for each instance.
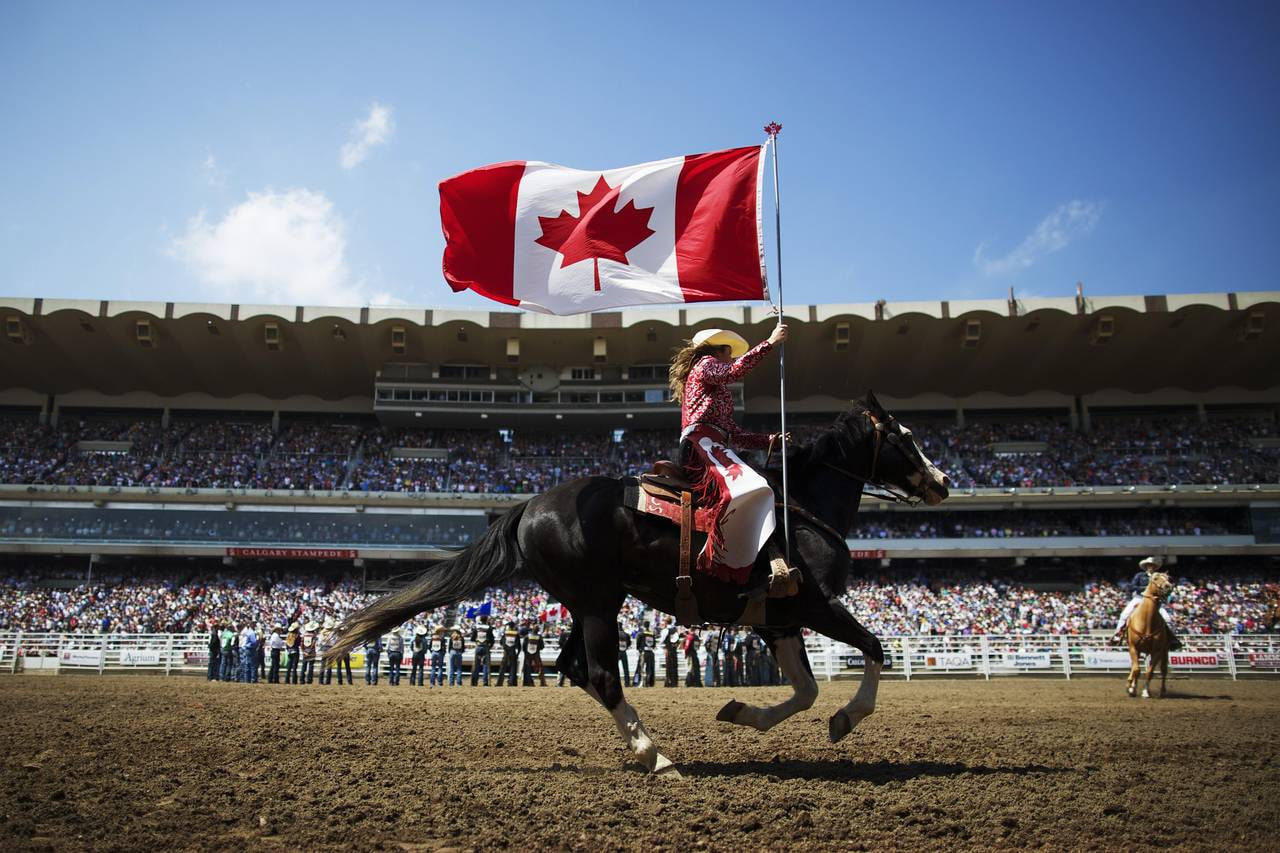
column 295, row 553
column 867, row 554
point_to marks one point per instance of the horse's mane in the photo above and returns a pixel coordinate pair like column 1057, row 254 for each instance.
column 835, row 442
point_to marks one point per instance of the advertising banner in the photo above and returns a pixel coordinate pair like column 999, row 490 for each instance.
column 132, row 656
column 1194, row 660
column 80, row 657
column 867, row 553
column 1025, row 660
column 1105, row 659
column 948, row 660
column 1264, row 660
column 295, row 553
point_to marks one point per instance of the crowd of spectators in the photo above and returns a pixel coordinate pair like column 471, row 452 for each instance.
column 315, row 454
column 953, row 601
column 1004, row 524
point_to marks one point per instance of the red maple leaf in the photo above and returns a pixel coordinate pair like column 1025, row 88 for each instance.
column 598, row 231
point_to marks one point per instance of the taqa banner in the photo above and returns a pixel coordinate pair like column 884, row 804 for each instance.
column 1264, row 660
column 295, row 553
column 948, row 660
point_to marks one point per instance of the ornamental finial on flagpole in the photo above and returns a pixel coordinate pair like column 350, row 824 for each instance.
column 773, row 129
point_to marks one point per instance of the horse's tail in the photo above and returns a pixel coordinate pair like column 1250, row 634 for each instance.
column 490, row 560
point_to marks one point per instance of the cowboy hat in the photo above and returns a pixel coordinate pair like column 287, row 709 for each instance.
column 420, row 630
column 293, row 627
column 328, row 621
column 1151, row 563
column 439, row 629
column 313, row 625
column 737, row 344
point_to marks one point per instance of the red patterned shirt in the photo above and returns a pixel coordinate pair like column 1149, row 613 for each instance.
column 707, row 398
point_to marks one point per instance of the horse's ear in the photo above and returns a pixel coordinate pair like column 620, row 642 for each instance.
column 872, row 402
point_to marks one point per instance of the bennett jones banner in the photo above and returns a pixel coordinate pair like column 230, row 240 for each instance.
column 1025, row 660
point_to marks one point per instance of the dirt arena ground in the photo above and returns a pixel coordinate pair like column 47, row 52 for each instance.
column 129, row 763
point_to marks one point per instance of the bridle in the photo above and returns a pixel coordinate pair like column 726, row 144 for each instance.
column 884, row 431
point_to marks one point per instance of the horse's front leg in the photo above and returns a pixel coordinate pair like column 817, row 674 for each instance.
column 791, row 657
column 838, row 623
column 1135, row 666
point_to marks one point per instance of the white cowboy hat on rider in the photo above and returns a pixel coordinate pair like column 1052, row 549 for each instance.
column 737, row 344
column 1151, row 564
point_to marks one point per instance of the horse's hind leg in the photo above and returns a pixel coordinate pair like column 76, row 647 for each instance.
column 788, row 649
column 600, row 636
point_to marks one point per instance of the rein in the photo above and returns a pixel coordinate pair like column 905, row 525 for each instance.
column 887, row 492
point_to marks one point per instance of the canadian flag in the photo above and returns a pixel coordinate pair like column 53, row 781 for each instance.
column 566, row 241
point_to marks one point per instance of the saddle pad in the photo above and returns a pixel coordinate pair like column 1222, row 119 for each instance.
column 641, row 501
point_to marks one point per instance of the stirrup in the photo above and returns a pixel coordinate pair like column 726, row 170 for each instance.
column 784, row 580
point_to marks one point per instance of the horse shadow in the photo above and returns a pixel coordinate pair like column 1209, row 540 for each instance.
column 875, row 772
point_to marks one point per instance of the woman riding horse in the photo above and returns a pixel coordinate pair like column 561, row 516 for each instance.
column 743, row 518
column 587, row 548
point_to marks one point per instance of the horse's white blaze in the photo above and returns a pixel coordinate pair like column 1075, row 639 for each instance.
column 804, row 690
column 633, row 732
column 863, row 703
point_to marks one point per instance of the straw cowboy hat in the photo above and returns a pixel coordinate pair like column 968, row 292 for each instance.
column 313, row 625
column 737, row 344
column 1151, row 564
column 420, row 630
column 439, row 629
column 293, row 627
column 328, row 621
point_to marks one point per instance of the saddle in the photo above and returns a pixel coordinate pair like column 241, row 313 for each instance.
column 665, row 491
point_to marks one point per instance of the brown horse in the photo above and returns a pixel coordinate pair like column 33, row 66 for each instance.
column 1148, row 634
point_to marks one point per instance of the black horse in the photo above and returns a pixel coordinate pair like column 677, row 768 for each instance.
column 589, row 551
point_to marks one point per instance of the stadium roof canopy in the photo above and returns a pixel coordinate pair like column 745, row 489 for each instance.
column 933, row 354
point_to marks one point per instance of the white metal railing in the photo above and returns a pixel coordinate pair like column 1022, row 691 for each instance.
column 1224, row 655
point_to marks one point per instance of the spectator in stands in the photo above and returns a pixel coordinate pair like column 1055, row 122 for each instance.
column 711, row 648
column 645, row 642
column 344, row 660
column 562, row 641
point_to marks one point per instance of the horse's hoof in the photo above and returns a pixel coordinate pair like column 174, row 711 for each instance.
column 1146, row 695
column 729, row 713
column 665, row 769
column 839, row 726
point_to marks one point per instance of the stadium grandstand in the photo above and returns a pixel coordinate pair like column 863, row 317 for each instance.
column 165, row 464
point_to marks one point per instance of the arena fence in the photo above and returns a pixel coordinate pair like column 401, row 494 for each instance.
column 909, row 657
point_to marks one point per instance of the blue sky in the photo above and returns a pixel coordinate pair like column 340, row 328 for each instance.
column 290, row 152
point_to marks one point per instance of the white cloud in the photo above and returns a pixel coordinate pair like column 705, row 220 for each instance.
column 1068, row 222
column 275, row 247
column 374, row 129
column 213, row 175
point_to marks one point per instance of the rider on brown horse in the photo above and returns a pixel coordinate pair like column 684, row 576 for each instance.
column 700, row 375
column 1138, row 586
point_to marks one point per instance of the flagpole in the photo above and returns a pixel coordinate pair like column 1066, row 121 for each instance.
column 773, row 129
